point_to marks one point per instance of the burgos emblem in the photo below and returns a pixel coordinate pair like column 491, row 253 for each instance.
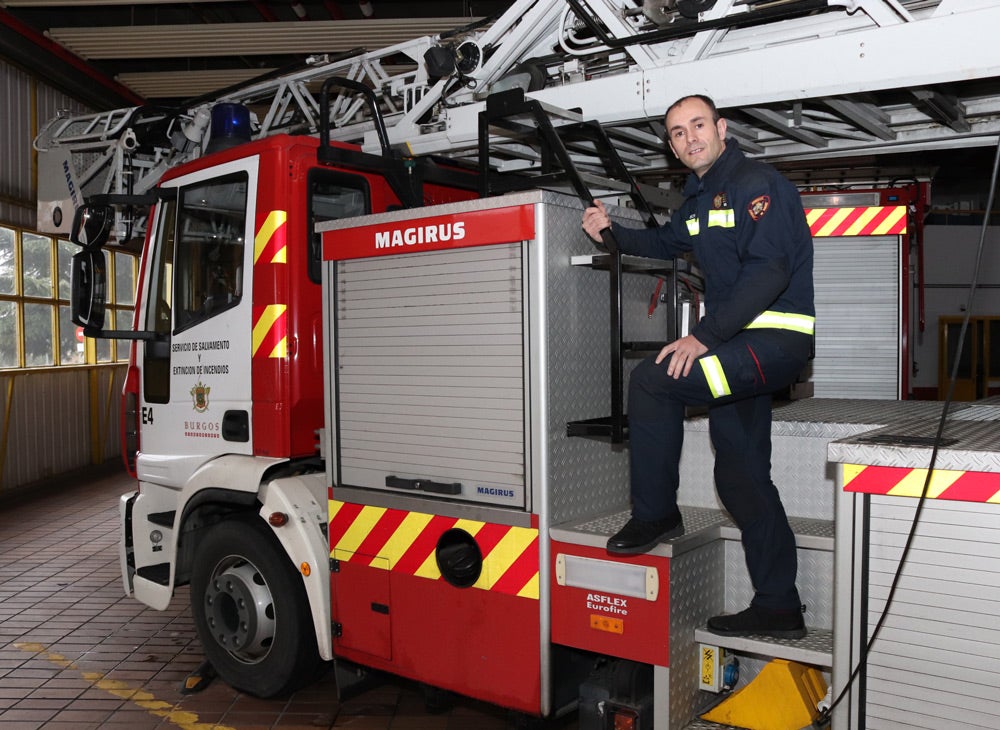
column 199, row 394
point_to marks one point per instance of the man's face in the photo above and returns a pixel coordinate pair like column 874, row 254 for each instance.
column 694, row 137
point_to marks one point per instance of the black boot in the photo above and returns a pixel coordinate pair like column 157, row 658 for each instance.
column 640, row 536
column 782, row 624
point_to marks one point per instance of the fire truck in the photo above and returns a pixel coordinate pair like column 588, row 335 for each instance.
column 374, row 400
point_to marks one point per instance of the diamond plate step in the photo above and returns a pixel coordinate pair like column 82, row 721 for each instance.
column 816, row 648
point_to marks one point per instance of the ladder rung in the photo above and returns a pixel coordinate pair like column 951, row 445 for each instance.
column 606, row 182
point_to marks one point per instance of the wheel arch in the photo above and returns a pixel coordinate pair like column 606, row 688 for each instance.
column 250, row 609
column 245, row 485
column 222, row 487
column 304, row 539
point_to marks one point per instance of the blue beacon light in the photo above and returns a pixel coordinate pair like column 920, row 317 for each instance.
column 230, row 127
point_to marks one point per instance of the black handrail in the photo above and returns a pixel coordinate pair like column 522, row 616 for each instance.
column 499, row 112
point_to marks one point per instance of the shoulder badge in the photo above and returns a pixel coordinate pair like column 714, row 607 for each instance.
column 758, row 207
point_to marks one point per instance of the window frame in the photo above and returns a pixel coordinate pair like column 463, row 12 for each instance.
column 93, row 352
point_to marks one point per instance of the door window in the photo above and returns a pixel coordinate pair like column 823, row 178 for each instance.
column 208, row 261
column 332, row 196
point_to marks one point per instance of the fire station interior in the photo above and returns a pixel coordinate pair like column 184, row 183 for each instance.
column 78, row 652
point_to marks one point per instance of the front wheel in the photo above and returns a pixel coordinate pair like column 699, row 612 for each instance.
column 251, row 611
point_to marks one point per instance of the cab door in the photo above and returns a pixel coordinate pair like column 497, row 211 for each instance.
column 195, row 389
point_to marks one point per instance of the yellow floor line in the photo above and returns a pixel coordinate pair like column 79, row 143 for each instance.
column 181, row 718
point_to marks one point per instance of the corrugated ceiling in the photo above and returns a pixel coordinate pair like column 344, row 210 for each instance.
column 164, row 50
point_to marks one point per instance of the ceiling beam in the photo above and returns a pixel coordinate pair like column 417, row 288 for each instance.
column 252, row 39
column 65, row 3
column 62, row 69
column 187, row 84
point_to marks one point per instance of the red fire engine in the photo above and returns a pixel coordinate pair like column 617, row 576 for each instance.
column 370, row 400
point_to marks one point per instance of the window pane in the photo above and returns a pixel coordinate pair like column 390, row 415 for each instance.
column 161, row 287
column 70, row 339
column 209, row 249
column 155, row 363
column 7, row 261
column 123, row 321
column 332, row 196
column 66, row 251
column 38, row 338
column 8, row 335
column 124, row 280
column 36, row 256
column 104, row 348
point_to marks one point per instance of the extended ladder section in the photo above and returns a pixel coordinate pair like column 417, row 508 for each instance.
column 579, row 155
column 798, row 80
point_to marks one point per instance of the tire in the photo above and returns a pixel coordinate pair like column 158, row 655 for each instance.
column 251, row 611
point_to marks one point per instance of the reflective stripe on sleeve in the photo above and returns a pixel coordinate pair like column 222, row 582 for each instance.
column 693, row 227
column 784, row 321
column 716, row 378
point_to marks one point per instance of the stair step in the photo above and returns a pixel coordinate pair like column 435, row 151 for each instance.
column 815, row 649
column 701, row 524
column 810, row 532
column 159, row 573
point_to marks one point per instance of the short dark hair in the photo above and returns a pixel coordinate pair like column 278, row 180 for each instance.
column 701, row 97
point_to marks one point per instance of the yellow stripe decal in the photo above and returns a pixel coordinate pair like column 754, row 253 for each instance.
column 408, row 531
column 861, row 224
column 892, row 221
column 501, row 557
column 530, row 589
column 360, row 528
column 264, row 324
column 275, row 220
column 913, row 483
column 402, row 541
column 945, row 484
column 834, row 223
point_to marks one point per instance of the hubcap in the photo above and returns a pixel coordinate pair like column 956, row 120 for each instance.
column 239, row 610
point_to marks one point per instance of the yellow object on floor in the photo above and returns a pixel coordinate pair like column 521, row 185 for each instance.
column 782, row 697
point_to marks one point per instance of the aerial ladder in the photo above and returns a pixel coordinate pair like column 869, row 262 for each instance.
column 798, row 80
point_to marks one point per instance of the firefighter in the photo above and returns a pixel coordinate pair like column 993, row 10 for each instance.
column 745, row 224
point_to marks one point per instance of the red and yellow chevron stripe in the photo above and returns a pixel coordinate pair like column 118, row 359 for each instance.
column 962, row 486
column 270, row 322
column 270, row 331
column 269, row 242
column 403, row 541
column 878, row 220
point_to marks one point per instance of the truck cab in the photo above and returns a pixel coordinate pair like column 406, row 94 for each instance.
column 224, row 397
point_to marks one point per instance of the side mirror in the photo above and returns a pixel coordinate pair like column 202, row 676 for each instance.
column 92, row 226
column 89, row 278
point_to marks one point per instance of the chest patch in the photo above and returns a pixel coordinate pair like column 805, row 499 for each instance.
column 720, row 201
column 759, row 206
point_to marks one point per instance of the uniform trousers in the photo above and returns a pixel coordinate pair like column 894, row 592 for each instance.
column 755, row 363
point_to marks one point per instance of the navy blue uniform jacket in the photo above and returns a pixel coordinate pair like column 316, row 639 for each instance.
column 745, row 224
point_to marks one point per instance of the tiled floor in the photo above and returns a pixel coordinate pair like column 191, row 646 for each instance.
column 76, row 654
